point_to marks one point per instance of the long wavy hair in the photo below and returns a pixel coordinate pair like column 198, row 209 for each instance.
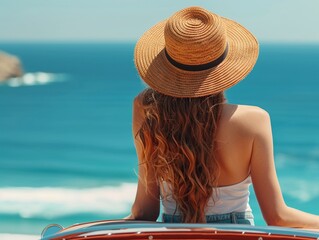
column 178, row 137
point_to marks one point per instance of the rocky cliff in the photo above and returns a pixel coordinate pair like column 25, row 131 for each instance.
column 10, row 66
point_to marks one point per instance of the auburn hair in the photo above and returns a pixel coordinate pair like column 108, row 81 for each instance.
column 178, row 138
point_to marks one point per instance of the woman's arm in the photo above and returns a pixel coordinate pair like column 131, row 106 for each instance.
column 147, row 201
column 265, row 180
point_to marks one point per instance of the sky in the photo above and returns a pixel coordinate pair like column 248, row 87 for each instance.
column 126, row 20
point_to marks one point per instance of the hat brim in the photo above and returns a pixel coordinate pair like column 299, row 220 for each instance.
column 162, row 76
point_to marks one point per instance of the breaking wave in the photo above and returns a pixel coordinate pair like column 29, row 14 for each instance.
column 33, row 79
column 52, row 202
column 300, row 189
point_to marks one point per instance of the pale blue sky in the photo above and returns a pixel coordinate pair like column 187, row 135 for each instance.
column 126, row 20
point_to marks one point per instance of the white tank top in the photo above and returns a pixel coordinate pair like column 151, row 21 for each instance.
column 233, row 198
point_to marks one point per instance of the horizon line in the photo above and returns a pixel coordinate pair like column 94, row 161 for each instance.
column 129, row 41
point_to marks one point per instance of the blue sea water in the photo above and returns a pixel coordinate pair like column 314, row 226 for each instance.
column 66, row 150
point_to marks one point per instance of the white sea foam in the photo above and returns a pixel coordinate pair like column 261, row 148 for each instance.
column 281, row 160
column 35, row 78
column 51, row 202
column 300, row 189
column 7, row 236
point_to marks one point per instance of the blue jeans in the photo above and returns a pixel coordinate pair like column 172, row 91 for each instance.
column 234, row 217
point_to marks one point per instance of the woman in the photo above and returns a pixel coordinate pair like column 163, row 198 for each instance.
column 197, row 153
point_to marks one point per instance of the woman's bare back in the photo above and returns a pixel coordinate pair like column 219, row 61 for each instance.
column 234, row 142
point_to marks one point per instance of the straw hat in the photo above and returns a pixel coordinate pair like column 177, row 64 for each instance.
column 195, row 53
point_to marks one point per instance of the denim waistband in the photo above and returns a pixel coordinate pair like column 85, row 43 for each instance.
column 233, row 217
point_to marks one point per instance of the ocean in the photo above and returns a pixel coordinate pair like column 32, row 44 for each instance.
column 66, row 150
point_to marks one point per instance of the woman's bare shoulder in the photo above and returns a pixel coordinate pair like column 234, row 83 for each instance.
column 246, row 117
column 244, row 111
